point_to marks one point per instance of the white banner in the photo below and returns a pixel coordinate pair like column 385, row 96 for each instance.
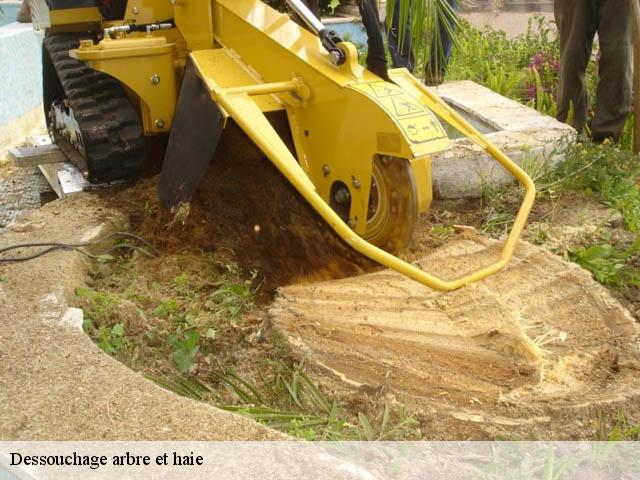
column 323, row 460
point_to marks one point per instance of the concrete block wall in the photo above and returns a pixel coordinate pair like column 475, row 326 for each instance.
column 522, row 133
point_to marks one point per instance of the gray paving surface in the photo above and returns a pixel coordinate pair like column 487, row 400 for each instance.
column 21, row 189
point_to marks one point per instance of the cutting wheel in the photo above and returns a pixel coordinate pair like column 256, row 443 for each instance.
column 393, row 204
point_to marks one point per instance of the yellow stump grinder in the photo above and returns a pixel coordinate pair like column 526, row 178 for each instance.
column 117, row 72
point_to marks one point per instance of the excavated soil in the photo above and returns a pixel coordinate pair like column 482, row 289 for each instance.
column 244, row 212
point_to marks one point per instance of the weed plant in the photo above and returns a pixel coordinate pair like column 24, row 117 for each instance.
column 526, row 69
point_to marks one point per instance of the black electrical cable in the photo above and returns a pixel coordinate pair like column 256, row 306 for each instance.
column 78, row 247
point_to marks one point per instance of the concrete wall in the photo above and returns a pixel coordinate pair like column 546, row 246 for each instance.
column 20, row 71
column 525, row 135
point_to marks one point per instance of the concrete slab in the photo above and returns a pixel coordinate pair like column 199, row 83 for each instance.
column 32, row 156
column 524, row 134
column 55, row 383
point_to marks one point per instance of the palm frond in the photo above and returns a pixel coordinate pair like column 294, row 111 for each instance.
column 429, row 20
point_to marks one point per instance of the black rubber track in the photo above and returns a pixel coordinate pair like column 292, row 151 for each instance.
column 110, row 126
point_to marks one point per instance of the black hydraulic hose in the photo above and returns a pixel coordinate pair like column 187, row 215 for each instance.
column 377, row 56
column 48, row 247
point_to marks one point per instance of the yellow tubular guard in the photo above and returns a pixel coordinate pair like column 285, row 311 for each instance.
column 237, row 103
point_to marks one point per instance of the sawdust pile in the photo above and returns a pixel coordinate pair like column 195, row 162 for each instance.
column 539, row 338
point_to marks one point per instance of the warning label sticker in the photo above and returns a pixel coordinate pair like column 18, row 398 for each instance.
column 417, row 122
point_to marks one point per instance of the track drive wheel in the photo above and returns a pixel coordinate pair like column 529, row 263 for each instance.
column 393, row 205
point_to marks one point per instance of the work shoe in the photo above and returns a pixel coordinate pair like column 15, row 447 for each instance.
column 24, row 14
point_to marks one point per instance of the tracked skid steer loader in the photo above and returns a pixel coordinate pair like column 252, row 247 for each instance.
column 116, row 72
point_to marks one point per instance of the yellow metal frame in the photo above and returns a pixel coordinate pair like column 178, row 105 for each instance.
column 66, row 20
column 255, row 60
column 146, row 65
column 148, row 11
column 342, row 101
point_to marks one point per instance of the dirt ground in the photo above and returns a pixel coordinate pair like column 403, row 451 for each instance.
column 55, row 383
column 243, row 212
column 539, row 351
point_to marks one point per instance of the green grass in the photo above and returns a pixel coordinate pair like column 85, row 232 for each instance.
column 610, row 174
column 490, row 58
column 186, row 313
column 607, row 172
column 611, row 265
column 291, row 402
column 622, row 431
column 97, row 304
column 193, row 327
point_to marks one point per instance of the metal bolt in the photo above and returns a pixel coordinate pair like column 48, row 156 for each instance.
column 159, row 123
column 356, row 183
column 155, row 79
column 342, row 197
column 335, row 58
column 135, row 10
column 326, row 170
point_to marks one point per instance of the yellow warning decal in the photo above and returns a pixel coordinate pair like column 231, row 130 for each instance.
column 417, row 122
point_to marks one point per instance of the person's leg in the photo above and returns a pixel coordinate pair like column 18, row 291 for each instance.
column 447, row 40
column 401, row 55
column 613, row 99
column 376, row 55
column 576, row 21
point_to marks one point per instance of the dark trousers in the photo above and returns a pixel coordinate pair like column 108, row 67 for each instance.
column 578, row 21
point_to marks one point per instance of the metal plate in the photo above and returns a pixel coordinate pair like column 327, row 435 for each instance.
column 196, row 131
